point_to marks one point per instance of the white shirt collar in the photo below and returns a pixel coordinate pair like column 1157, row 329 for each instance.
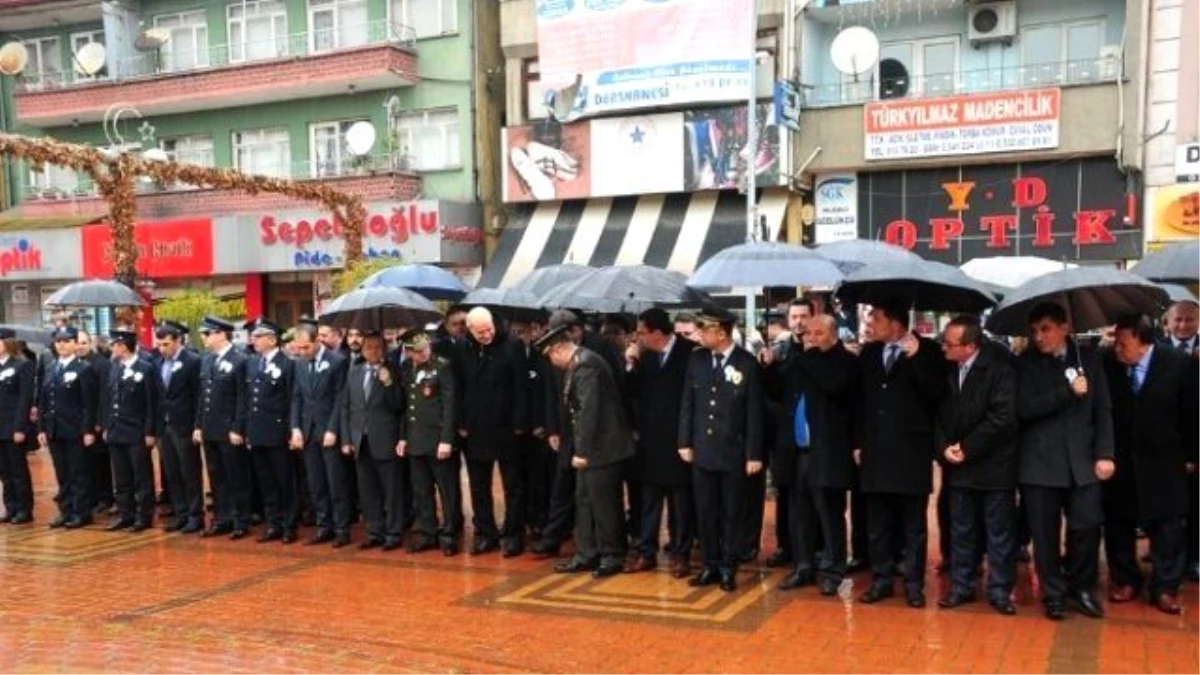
column 966, row 365
column 728, row 350
column 67, row 361
column 224, row 350
column 670, row 345
column 128, row 363
column 3, row 359
column 270, row 356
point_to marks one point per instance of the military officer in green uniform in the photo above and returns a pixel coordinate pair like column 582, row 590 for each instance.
column 428, row 441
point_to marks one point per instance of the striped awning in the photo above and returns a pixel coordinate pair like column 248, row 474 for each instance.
column 676, row 231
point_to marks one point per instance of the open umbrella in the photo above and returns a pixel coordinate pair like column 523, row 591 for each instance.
column 766, row 263
column 378, row 308
column 1093, row 297
column 852, row 254
column 626, row 289
column 29, row 334
column 1178, row 293
column 923, row 284
column 1177, row 264
column 95, row 293
column 430, row 281
column 1004, row 273
column 509, row 303
column 545, row 279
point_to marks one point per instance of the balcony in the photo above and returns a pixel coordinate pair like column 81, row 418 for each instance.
column 298, row 66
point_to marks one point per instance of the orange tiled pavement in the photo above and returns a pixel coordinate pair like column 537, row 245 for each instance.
column 98, row 602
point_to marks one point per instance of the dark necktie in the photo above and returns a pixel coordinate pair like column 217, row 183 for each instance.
column 718, row 360
column 890, row 359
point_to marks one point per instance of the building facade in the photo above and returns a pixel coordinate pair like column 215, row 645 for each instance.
column 270, row 87
column 1008, row 127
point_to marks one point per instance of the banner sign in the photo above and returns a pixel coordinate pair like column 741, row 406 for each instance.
column 837, row 207
column 1017, row 121
column 597, row 57
column 1173, row 212
column 646, row 154
column 166, row 249
column 1075, row 210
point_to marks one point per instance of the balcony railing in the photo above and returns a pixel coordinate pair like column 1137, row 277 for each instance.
column 870, row 88
column 172, row 59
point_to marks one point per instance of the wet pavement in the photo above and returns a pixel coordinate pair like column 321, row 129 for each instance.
column 95, row 601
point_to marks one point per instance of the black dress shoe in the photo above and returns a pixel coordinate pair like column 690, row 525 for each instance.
column 749, row 556
column 1003, row 606
column 341, row 540
column 322, row 537
column 77, row 522
column 239, row 533
column 608, row 570
column 797, row 579
column 271, row 534
column 1089, row 605
column 174, row 526
column 118, row 524
column 779, row 558
column 289, row 536
column 22, row 518
column 58, row 522
column 875, row 594
column 707, row 577
column 1194, row 572
column 545, row 548
column 450, row 549
column 370, row 543
column 1056, row 611
column 483, row 546
column 391, row 543
column 192, row 527
column 915, row 600
column 728, row 582
column 574, row 565
column 140, row 526
column 956, row 599
column 513, row 547
column 6, row 518
column 855, row 565
column 423, row 544
column 829, row 587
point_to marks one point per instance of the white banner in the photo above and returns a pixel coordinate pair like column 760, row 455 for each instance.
column 632, row 155
column 837, row 207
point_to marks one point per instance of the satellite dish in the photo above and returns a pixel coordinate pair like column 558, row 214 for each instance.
column 151, row 39
column 360, row 138
column 90, row 58
column 13, row 58
column 855, row 50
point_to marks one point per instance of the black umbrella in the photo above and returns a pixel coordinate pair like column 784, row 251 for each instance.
column 853, row 254
column 511, row 304
column 1177, row 264
column 545, row 279
column 95, row 293
column 766, row 263
column 922, row 284
column 29, row 334
column 379, row 307
column 1179, row 293
column 430, row 281
column 626, row 289
column 1093, row 297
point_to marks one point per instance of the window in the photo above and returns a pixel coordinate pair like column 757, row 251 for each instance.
column 188, row 46
column 190, row 149
column 919, row 68
column 54, row 182
column 330, row 154
column 337, row 24
column 531, row 85
column 430, row 139
column 45, row 63
column 1058, row 53
column 427, row 18
column 78, row 40
column 258, row 33
column 264, row 152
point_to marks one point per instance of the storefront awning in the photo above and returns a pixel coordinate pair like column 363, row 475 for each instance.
column 675, row 231
column 12, row 220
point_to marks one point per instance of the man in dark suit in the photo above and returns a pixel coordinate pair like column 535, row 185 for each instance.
column 602, row 442
column 66, row 424
column 491, row 410
column 1155, row 420
column 16, row 400
column 817, row 427
column 1066, row 451
column 220, row 429
column 101, row 364
column 1183, row 322
column 269, row 386
column 320, row 378
column 428, row 444
column 370, row 430
column 720, row 435
column 976, row 433
column 179, row 371
column 130, row 422
column 656, row 386
column 903, row 380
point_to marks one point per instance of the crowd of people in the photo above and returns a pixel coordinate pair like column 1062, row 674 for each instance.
column 599, row 430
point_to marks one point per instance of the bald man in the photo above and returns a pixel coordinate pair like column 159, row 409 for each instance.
column 492, row 407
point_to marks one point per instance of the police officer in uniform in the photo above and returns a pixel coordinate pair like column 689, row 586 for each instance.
column 270, row 377
column 428, row 442
column 178, row 369
column 16, row 398
column 220, row 426
column 130, row 424
column 66, row 423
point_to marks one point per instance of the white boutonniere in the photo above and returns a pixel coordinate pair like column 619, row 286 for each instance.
column 733, row 375
column 1071, row 374
column 176, row 365
column 533, row 374
column 322, row 366
column 137, row 377
column 70, row 376
column 421, row 375
column 126, row 374
column 225, row 367
column 7, row 373
column 274, row 371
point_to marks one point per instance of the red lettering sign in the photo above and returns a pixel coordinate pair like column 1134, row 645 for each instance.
column 172, row 248
column 945, row 229
column 21, row 256
column 998, row 226
column 403, row 222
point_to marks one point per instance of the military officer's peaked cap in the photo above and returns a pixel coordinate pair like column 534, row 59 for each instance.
column 716, row 316
column 262, row 327
column 172, row 328
column 416, row 340
column 7, row 334
column 66, row 333
column 212, row 324
column 126, row 337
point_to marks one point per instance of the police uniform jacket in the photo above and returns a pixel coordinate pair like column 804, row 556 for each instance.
column 132, row 410
column 721, row 415
column 269, row 386
column 429, row 394
column 66, row 409
column 16, row 396
column 219, row 408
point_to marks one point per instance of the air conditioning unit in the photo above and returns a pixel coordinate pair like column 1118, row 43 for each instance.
column 764, row 77
column 992, row 22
